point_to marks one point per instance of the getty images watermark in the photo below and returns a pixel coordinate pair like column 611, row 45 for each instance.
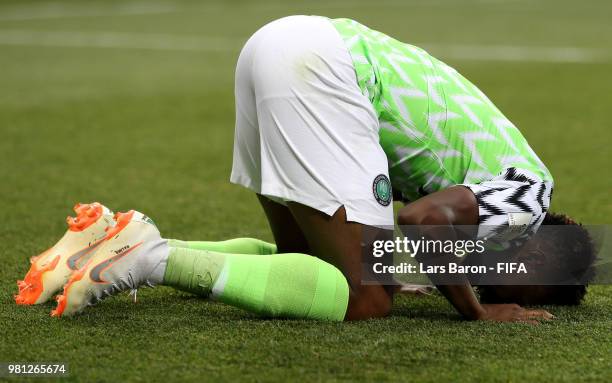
column 552, row 255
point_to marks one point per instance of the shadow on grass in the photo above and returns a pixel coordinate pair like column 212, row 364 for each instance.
column 167, row 308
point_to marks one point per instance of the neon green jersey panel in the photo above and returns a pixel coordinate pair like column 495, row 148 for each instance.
column 436, row 127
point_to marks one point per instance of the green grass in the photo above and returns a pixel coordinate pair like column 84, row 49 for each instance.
column 152, row 130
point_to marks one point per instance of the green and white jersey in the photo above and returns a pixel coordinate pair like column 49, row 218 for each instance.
column 436, row 127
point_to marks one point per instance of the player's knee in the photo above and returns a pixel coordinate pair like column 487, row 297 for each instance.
column 365, row 304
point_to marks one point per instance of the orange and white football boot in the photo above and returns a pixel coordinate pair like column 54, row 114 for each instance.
column 133, row 255
column 52, row 269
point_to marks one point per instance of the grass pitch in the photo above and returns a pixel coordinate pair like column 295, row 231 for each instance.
column 131, row 104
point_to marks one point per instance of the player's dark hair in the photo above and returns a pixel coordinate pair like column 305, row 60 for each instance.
column 573, row 253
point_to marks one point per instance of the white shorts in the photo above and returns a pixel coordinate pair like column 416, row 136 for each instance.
column 304, row 131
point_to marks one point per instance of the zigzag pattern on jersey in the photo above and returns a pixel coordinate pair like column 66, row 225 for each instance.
column 513, row 191
column 518, row 192
column 436, row 127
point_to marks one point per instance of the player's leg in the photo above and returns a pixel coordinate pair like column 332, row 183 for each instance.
column 279, row 285
column 234, row 245
column 289, row 283
column 335, row 241
column 286, row 232
column 292, row 284
column 341, row 243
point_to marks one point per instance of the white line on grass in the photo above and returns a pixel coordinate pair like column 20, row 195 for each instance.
column 167, row 42
column 146, row 41
column 58, row 10
column 380, row 4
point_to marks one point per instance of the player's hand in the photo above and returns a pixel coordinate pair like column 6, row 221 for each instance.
column 415, row 290
column 513, row 313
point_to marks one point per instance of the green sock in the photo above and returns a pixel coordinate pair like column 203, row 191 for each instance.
column 284, row 285
column 235, row 246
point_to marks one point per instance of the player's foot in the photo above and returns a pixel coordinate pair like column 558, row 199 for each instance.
column 130, row 257
column 51, row 269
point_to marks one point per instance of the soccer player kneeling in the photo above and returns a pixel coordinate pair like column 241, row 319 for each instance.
column 334, row 121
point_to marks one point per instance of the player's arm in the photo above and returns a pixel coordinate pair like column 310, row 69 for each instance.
column 436, row 214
